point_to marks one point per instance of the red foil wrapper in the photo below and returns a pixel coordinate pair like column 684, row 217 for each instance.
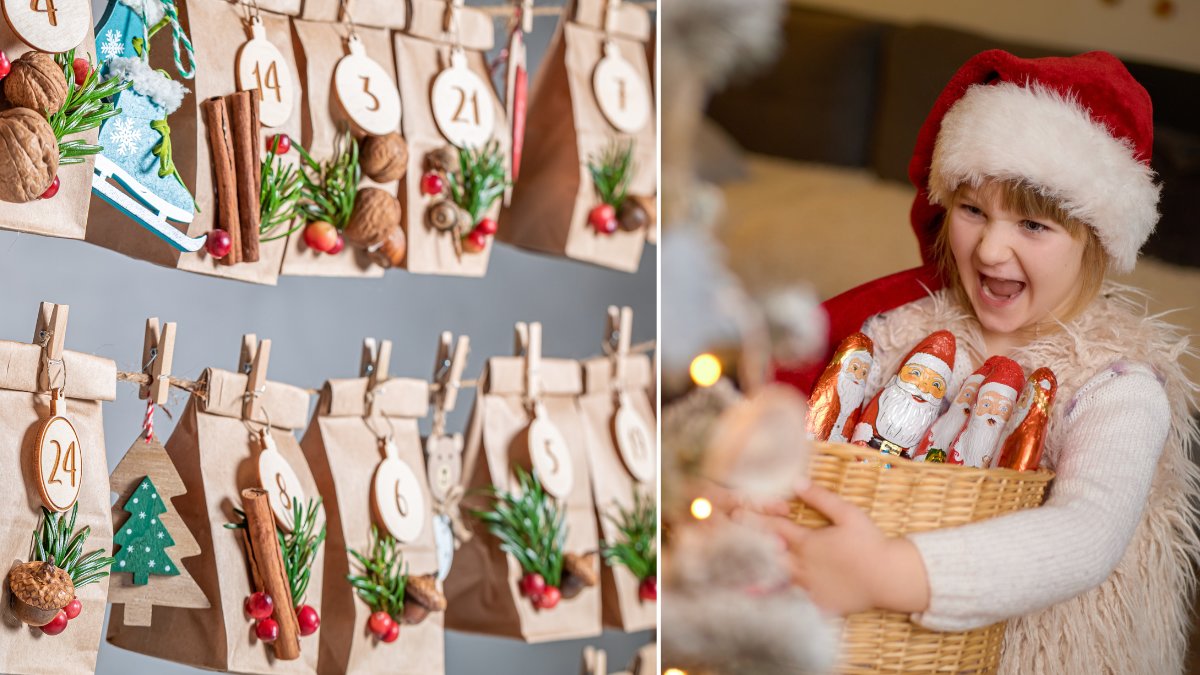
column 1022, row 449
column 824, row 406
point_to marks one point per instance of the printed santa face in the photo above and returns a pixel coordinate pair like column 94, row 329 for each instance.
column 837, row 398
column 903, row 411
column 980, row 440
column 951, row 423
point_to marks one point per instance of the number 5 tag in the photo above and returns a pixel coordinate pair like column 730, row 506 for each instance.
column 462, row 104
column 280, row 481
column 550, row 455
column 58, row 458
column 398, row 498
column 261, row 66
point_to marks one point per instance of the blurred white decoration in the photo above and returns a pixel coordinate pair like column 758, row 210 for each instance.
column 759, row 447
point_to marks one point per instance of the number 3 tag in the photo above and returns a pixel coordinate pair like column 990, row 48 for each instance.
column 366, row 91
column 398, row 498
column 261, row 66
column 462, row 104
column 58, row 458
column 280, row 481
column 621, row 92
column 49, row 25
column 550, row 455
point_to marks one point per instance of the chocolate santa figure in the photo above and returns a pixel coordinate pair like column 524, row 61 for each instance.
column 836, row 401
column 951, row 423
column 896, row 420
column 1025, row 434
column 980, row 439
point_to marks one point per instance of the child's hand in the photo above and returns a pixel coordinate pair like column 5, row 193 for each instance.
column 850, row 566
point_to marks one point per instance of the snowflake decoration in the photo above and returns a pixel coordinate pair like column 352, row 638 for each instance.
column 113, row 44
column 127, row 135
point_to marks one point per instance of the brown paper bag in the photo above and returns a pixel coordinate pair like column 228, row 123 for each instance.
column 319, row 48
column 482, row 588
column 343, row 447
column 565, row 129
column 218, row 29
column 65, row 214
column 361, row 12
column 25, row 377
column 215, row 452
column 421, row 54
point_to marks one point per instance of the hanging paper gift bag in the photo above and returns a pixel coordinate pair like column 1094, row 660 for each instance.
column 52, row 447
column 252, row 503
column 620, row 423
column 457, row 138
column 358, row 12
column 46, row 163
column 587, row 181
column 381, row 597
column 351, row 123
column 526, row 452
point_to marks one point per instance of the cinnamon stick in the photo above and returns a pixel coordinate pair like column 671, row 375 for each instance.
column 220, row 143
column 248, row 165
column 256, row 123
column 264, row 543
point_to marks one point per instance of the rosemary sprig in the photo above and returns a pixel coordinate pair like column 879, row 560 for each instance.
column 611, row 172
column 298, row 547
column 480, row 179
column 279, row 197
column 86, row 107
column 530, row 526
column 328, row 188
column 56, row 541
column 382, row 575
column 638, row 527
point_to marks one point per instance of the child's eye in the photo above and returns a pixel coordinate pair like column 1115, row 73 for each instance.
column 1033, row 226
column 972, row 210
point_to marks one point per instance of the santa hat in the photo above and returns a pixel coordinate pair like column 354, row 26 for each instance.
column 936, row 352
column 1006, row 378
column 853, row 344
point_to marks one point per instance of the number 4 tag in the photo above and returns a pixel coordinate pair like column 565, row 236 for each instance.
column 50, row 26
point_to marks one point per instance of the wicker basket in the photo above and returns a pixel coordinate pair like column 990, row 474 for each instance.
column 904, row 497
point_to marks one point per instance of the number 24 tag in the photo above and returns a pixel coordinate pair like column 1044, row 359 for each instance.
column 58, row 458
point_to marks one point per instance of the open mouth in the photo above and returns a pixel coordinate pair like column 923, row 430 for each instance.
column 1000, row 291
column 918, row 399
column 991, row 423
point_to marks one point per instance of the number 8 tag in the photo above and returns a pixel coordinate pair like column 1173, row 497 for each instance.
column 261, row 66
column 462, row 104
column 280, row 481
column 397, row 496
column 58, row 458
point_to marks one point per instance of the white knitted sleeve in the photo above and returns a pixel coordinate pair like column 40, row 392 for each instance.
column 1012, row 565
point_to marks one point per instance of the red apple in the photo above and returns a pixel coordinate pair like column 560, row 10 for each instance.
column 73, row 608
column 475, row 242
column 548, row 599
column 267, row 629
column 308, row 619
column 57, row 625
column 82, row 69
column 279, row 144
column 380, row 623
column 432, row 184
column 532, row 584
column 320, row 235
column 5, row 66
column 648, row 589
column 259, row 605
column 486, row 226
column 338, row 245
column 52, row 190
column 393, row 633
column 603, row 219
column 219, row 243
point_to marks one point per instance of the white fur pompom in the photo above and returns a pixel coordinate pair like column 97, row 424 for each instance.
column 164, row 91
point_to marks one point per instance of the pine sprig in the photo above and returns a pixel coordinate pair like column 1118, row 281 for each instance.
column 86, row 107
column 382, row 575
column 56, row 542
column 298, row 547
column 480, row 179
column 530, row 526
column 279, row 197
column 328, row 188
column 638, row 527
column 611, row 172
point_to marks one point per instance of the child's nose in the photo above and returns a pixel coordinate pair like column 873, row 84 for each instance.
column 994, row 247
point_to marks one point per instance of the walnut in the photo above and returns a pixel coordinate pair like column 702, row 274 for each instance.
column 28, row 155
column 36, row 82
column 38, row 591
column 384, row 158
column 375, row 212
column 393, row 249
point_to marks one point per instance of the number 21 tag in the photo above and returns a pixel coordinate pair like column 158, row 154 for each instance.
column 261, row 66
column 58, row 458
column 462, row 104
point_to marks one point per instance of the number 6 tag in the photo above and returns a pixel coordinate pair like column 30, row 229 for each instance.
column 58, row 458
column 398, row 498
column 550, row 455
column 261, row 66
column 366, row 91
column 280, row 481
column 462, row 104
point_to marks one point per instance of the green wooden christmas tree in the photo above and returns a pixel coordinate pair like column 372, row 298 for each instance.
column 143, row 538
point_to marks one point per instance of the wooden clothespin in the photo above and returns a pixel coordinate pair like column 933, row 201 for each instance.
column 526, row 16
column 620, row 329
column 158, row 354
column 529, row 345
column 450, row 23
column 376, row 358
column 256, row 355
column 51, row 334
column 595, row 661
column 448, row 370
column 611, row 14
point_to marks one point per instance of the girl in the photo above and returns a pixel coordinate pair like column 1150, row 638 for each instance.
column 1033, row 179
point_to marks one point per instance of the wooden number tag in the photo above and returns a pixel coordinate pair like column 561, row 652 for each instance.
column 58, row 458
column 366, row 91
column 462, row 104
column 550, row 455
column 635, row 442
column 280, row 481
column 261, row 66
column 623, row 95
column 49, row 25
column 398, row 499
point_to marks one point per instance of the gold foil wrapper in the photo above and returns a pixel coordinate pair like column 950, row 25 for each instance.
column 1022, row 449
column 823, row 406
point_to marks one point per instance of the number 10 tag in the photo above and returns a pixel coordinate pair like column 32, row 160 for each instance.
column 261, row 66
column 58, row 458
column 462, row 104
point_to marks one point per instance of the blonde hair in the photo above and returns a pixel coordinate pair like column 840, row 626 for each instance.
column 1021, row 197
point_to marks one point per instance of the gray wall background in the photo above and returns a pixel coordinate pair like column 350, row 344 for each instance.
column 317, row 326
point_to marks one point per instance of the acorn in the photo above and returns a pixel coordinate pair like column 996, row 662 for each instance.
column 375, row 213
column 446, row 215
column 393, row 249
column 421, row 596
column 444, row 159
column 579, row 572
column 384, row 158
column 636, row 213
column 38, row 590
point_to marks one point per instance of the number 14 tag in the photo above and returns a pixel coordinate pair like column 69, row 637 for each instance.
column 261, row 66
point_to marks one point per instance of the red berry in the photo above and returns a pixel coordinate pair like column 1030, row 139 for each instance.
column 475, row 241
column 548, row 599
column 308, row 619
column 259, row 605
column 648, row 589
column 392, row 634
column 73, row 608
column 432, row 184
column 320, row 235
column 532, row 584
column 5, row 66
column 57, row 625
column 267, row 629
column 52, row 190
column 486, row 226
column 279, row 144
column 380, row 623
column 219, row 243
column 603, row 219
column 338, row 245
column 82, row 69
